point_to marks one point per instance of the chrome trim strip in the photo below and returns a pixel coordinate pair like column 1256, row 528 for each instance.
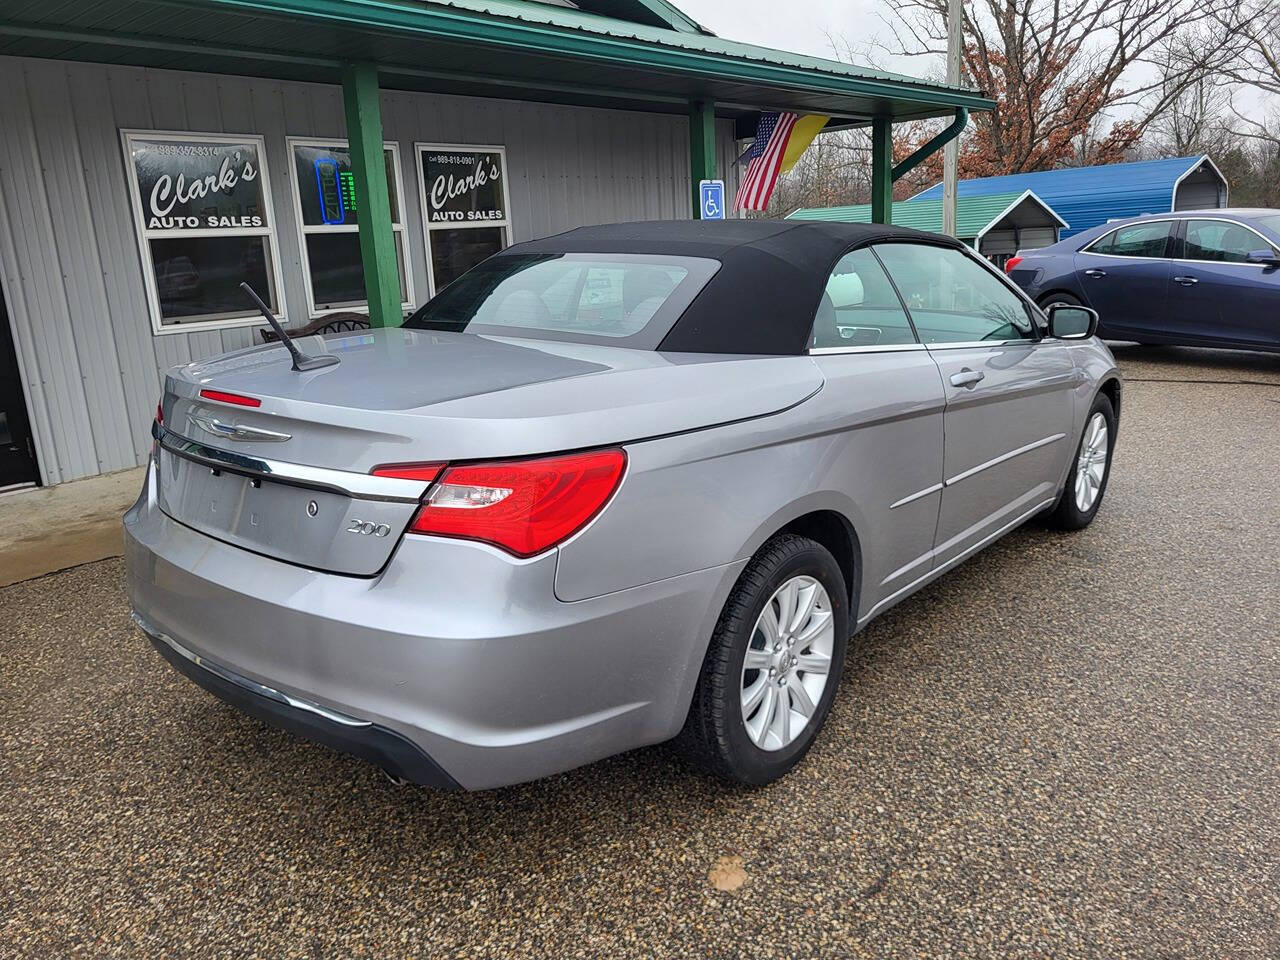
column 963, row 555
column 262, row 690
column 916, row 496
column 867, row 348
column 360, row 486
column 235, row 431
column 1003, row 457
column 983, row 343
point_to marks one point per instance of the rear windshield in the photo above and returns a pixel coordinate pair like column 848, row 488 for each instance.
column 627, row 300
column 1271, row 221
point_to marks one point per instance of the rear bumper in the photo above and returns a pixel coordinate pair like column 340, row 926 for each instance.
column 369, row 741
column 456, row 648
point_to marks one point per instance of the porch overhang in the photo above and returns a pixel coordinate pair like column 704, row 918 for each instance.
column 488, row 48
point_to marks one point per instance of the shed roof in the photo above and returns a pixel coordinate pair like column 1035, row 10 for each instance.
column 975, row 215
column 529, row 50
column 1088, row 196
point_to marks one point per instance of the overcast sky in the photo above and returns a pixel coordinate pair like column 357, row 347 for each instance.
column 800, row 25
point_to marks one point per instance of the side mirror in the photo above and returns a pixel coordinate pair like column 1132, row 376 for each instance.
column 1265, row 257
column 1069, row 322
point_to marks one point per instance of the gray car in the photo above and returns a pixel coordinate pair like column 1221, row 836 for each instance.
column 622, row 485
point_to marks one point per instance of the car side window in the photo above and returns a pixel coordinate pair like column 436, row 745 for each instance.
column 1220, row 241
column 859, row 307
column 1136, row 240
column 953, row 299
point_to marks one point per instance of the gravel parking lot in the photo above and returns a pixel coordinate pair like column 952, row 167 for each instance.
column 1068, row 747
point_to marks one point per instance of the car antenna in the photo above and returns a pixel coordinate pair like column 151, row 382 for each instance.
column 300, row 360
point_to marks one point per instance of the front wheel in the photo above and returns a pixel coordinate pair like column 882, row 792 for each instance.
column 1090, row 470
column 773, row 664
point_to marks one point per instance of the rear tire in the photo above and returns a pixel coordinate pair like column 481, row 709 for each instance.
column 790, row 611
column 1090, row 469
column 1059, row 297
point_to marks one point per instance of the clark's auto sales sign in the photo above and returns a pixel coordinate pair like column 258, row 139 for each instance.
column 463, row 186
column 205, row 185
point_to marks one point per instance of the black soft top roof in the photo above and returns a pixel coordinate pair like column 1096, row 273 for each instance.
column 772, row 273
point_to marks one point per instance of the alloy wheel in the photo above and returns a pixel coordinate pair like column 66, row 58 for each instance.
column 787, row 663
column 1091, row 464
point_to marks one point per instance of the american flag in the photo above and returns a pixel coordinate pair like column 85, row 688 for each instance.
column 764, row 160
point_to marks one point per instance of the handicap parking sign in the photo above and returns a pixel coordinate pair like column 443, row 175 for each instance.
column 711, row 196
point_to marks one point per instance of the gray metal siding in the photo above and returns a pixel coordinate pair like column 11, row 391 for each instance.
column 68, row 249
column 1033, row 238
column 1200, row 191
column 999, row 241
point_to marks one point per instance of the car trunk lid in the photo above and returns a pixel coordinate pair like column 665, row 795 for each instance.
column 291, row 477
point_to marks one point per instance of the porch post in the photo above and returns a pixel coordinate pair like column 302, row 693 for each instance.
column 881, row 170
column 702, row 148
column 373, row 202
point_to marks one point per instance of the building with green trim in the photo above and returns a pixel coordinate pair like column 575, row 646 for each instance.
column 338, row 155
column 996, row 225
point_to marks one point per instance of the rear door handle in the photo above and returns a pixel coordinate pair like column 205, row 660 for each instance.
column 967, row 378
column 1186, row 281
column 1095, row 273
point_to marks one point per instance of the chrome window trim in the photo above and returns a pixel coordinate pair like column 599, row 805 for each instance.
column 866, row 348
column 1122, row 226
column 360, row 486
column 948, row 345
column 1227, row 263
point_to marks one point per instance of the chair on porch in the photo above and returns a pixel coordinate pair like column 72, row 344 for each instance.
column 331, row 323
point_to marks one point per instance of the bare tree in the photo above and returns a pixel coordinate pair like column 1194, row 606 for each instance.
column 1196, row 115
column 835, row 170
column 1055, row 67
column 1255, row 27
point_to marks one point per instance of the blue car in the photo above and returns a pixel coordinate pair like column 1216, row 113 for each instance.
column 1207, row 278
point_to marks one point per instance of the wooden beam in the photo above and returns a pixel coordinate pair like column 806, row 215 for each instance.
column 373, row 200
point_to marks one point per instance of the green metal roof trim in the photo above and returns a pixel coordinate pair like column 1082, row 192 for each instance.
column 654, row 12
column 974, row 215
column 562, row 31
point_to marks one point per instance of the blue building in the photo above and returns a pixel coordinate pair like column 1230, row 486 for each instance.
column 1088, row 196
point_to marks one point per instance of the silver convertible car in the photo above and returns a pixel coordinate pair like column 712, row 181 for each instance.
column 622, row 485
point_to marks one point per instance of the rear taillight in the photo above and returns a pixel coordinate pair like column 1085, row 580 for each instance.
column 160, row 412
column 239, row 399
column 522, row 506
column 1011, row 263
column 409, row 471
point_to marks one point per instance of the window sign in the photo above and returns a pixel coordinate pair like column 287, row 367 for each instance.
column 465, row 207
column 202, row 208
column 328, row 224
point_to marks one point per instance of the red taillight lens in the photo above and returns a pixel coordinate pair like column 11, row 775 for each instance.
column 160, row 412
column 409, row 471
column 522, row 506
column 1011, row 263
column 239, row 399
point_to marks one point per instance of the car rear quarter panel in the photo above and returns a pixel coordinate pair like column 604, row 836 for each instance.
column 1056, row 273
column 700, row 499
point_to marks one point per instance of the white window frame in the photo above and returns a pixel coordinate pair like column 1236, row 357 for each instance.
column 306, row 229
column 419, row 148
column 251, row 317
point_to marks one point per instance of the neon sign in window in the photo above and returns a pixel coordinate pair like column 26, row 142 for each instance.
column 329, row 187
